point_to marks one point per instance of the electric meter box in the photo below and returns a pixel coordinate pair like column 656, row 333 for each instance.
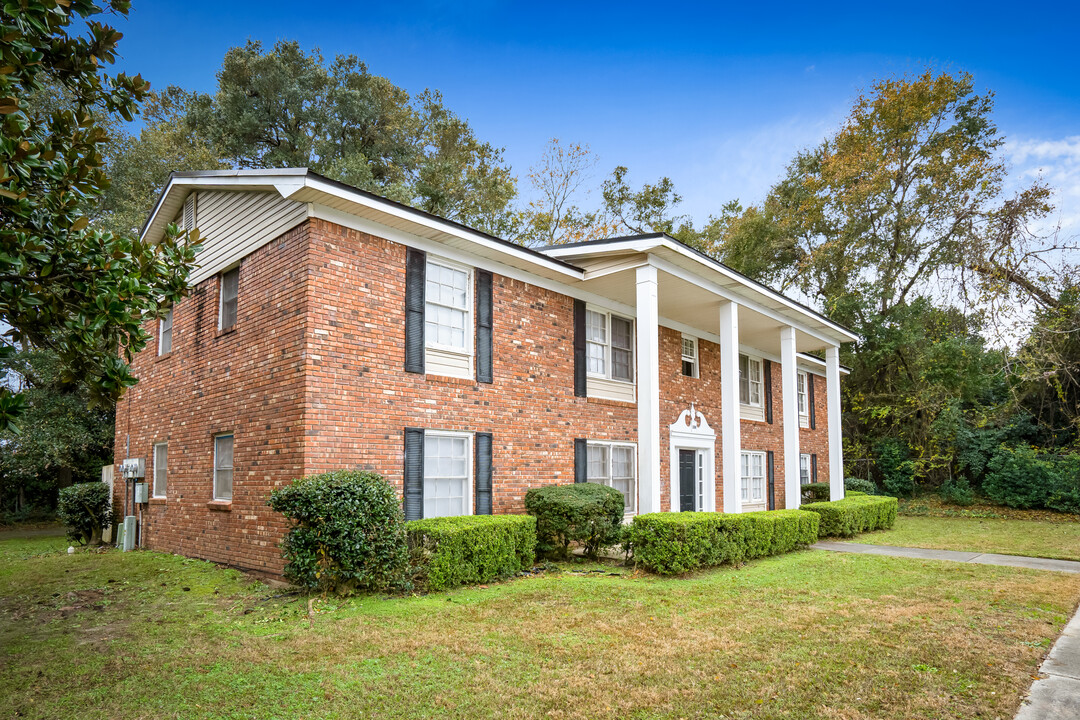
column 142, row 493
column 133, row 468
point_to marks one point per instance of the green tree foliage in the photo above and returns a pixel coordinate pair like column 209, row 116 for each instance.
column 65, row 286
column 139, row 165
column 899, row 226
column 63, row 439
column 286, row 108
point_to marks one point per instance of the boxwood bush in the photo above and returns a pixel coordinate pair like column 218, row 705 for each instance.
column 585, row 513
column 862, row 485
column 815, row 492
column 349, row 533
column 86, row 509
column 854, row 514
column 674, row 543
column 450, row 551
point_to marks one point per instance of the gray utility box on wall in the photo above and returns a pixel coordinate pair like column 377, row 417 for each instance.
column 142, row 493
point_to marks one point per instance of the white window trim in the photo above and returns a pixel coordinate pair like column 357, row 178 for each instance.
column 161, row 333
column 633, row 467
column 691, row 431
column 696, row 359
column 606, row 375
column 804, row 394
column 761, row 381
column 232, row 467
column 165, row 480
column 221, row 297
column 470, row 326
column 764, row 479
column 809, row 469
column 470, row 473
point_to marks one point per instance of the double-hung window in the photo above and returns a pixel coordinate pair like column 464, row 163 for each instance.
column 750, row 381
column 804, row 407
column 447, row 473
column 223, row 467
column 614, row 465
column 161, row 468
column 689, row 356
column 609, row 345
column 165, row 334
column 447, row 310
column 230, row 292
column 804, row 469
column 753, row 478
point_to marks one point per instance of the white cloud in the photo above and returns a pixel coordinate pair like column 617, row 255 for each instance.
column 1057, row 163
column 746, row 164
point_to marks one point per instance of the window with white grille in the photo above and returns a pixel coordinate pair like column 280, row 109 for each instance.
column 447, row 474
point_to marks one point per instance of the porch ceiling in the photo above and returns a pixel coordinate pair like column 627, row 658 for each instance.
column 690, row 304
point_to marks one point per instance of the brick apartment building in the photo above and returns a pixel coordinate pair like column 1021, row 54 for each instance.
column 331, row 328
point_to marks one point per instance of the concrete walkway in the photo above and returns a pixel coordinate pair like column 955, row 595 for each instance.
column 1056, row 694
column 1069, row 566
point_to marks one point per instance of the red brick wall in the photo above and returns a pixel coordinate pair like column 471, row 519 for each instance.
column 313, row 379
column 248, row 381
column 817, row 440
column 360, row 399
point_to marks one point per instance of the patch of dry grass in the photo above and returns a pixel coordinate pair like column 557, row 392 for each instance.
column 807, row 635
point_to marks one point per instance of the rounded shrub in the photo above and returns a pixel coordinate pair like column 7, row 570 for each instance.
column 349, row 533
column 859, row 485
column 86, row 510
column 585, row 513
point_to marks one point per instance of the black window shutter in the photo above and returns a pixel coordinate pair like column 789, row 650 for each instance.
column 415, row 283
column 813, row 467
column 766, row 370
column 414, row 474
column 771, row 476
column 484, row 370
column 810, row 400
column 580, row 383
column 581, row 460
column 483, row 473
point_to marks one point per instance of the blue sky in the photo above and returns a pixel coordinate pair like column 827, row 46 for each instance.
column 717, row 97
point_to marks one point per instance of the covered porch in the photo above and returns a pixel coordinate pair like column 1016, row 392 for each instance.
column 661, row 282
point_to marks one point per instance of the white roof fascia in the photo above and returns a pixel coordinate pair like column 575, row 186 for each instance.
column 650, row 243
column 727, row 294
column 403, row 213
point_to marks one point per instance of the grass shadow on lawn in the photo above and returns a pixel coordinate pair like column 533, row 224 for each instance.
column 809, row 635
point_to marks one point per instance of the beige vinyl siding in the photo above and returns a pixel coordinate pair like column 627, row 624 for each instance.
column 611, row 389
column 447, row 363
column 233, row 224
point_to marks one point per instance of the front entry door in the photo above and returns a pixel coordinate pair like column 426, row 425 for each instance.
column 687, row 480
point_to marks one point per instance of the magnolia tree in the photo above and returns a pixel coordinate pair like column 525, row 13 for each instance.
column 65, row 285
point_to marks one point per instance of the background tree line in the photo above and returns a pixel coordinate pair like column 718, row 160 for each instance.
column 897, row 225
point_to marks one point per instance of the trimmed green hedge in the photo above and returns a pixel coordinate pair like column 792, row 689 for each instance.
column 674, row 543
column 815, row 492
column 854, row 514
column 450, row 551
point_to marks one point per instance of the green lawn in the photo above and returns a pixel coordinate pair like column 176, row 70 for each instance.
column 808, row 635
column 1060, row 540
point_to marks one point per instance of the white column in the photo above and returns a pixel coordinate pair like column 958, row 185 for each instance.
column 790, row 388
column 729, row 405
column 836, row 440
column 648, row 391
